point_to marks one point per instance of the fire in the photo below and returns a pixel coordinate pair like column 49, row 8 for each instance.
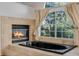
column 18, row 34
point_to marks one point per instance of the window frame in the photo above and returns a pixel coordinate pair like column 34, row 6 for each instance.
column 55, row 34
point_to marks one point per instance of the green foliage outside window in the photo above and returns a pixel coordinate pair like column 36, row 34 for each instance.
column 57, row 24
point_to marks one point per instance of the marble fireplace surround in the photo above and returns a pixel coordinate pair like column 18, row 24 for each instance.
column 6, row 24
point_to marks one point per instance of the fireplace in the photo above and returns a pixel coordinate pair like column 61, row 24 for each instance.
column 20, row 33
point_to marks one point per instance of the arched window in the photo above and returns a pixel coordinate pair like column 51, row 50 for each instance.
column 57, row 24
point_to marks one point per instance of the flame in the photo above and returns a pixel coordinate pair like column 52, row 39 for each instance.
column 18, row 34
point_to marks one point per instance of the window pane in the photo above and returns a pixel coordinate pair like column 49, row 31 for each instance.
column 52, row 14
column 51, row 18
column 60, row 26
column 52, row 34
column 50, row 21
column 65, row 34
column 68, row 33
column 42, row 33
column 44, row 30
column 59, row 34
column 52, row 28
column 59, row 13
column 48, row 5
column 45, row 33
column 59, row 21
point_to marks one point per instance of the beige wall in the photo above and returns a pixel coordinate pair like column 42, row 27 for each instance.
column 0, row 35
column 7, row 28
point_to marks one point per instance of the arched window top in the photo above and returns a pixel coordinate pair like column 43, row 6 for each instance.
column 54, row 4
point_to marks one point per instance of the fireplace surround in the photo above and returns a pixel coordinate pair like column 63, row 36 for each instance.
column 20, row 33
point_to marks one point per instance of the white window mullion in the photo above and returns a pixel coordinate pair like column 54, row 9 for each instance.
column 55, row 27
column 49, row 30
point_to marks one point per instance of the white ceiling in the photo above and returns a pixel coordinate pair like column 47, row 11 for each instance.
column 35, row 5
column 13, row 9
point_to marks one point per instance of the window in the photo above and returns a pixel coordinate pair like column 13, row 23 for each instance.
column 57, row 24
column 54, row 4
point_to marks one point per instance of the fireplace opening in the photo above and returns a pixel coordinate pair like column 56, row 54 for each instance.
column 20, row 33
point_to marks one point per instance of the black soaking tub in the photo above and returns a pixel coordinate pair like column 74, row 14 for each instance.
column 57, row 48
